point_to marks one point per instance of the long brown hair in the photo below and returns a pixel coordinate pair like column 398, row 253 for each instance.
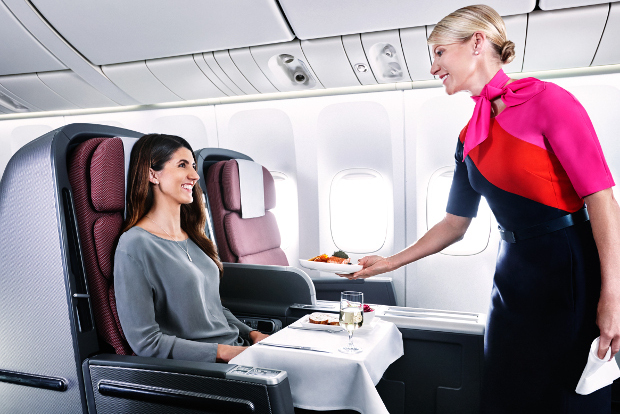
column 153, row 151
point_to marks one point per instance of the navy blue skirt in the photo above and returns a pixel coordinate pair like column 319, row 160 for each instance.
column 541, row 323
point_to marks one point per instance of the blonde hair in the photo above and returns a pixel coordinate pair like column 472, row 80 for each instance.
column 460, row 26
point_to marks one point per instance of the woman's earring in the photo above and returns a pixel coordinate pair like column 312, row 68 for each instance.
column 475, row 52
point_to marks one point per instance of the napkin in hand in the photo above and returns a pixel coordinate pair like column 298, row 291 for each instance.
column 598, row 373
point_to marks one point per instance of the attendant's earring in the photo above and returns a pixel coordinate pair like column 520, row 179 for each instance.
column 475, row 52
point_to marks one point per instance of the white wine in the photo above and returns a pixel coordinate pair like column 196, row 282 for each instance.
column 351, row 318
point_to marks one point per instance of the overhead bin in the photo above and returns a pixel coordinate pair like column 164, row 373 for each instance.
column 386, row 56
column 26, row 54
column 329, row 62
column 184, row 78
column 117, row 31
column 217, row 70
column 608, row 52
column 32, row 90
column 565, row 4
column 139, row 83
column 244, row 61
column 416, row 53
column 75, row 90
column 325, row 18
column 562, row 39
column 286, row 66
column 355, row 52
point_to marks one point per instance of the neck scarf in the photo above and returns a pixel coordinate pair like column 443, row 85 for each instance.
column 513, row 94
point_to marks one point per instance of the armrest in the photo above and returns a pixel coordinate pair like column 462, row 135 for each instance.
column 118, row 383
column 269, row 284
column 209, row 369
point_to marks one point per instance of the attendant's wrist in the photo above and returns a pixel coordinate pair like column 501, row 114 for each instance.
column 391, row 263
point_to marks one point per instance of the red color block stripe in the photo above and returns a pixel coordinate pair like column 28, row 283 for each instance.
column 524, row 169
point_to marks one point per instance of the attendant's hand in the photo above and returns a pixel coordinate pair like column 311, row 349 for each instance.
column 257, row 336
column 372, row 265
column 227, row 352
column 608, row 321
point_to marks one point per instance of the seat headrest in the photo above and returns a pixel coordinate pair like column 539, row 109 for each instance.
column 232, row 193
column 107, row 182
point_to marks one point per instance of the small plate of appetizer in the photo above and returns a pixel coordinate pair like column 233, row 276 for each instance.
column 339, row 262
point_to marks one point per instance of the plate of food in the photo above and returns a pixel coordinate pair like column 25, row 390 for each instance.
column 339, row 262
column 321, row 321
column 329, row 322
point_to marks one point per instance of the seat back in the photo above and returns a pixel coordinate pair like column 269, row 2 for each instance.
column 252, row 240
column 97, row 176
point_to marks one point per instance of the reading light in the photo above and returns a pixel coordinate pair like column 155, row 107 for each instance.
column 290, row 72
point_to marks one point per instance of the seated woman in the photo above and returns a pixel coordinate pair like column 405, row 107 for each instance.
column 166, row 271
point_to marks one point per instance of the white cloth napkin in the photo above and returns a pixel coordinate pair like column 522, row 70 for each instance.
column 598, row 373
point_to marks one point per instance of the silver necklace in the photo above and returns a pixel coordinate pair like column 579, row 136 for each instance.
column 186, row 250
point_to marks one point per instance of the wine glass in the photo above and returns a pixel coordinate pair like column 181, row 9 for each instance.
column 351, row 317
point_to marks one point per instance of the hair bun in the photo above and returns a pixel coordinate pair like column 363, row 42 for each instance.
column 508, row 52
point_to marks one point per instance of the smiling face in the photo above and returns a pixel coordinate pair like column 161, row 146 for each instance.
column 455, row 64
column 176, row 180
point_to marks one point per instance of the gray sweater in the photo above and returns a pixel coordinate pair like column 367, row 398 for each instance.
column 168, row 306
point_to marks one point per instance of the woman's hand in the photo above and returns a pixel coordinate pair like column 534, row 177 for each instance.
column 608, row 321
column 371, row 266
column 257, row 336
column 227, row 352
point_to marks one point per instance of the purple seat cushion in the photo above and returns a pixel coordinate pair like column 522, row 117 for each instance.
column 255, row 240
column 97, row 176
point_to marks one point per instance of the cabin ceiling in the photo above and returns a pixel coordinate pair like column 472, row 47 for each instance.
column 73, row 54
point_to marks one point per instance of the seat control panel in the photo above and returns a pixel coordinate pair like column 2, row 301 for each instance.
column 266, row 376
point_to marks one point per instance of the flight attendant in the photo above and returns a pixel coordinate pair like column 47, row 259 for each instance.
column 532, row 152
column 166, row 270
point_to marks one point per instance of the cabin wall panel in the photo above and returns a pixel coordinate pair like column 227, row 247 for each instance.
column 433, row 121
column 195, row 124
column 264, row 131
column 364, row 131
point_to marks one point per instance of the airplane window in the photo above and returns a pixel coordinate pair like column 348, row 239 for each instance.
column 358, row 210
column 476, row 239
column 285, row 208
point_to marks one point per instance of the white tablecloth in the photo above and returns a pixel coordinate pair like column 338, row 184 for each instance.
column 331, row 381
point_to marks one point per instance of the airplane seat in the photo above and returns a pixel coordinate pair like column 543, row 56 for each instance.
column 242, row 240
column 257, row 240
column 62, row 196
column 96, row 173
